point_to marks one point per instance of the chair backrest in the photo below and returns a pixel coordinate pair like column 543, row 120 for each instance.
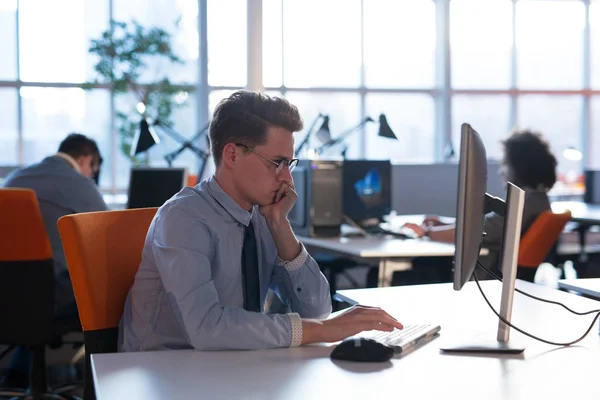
column 537, row 242
column 103, row 251
column 24, row 235
column 26, row 270
column 192, row 180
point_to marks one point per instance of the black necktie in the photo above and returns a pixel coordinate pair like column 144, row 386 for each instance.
column 250, row 271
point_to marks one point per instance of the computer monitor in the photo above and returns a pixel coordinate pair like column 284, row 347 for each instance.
column 367, row 190
column 592, row 187
column 152, row 187
column 473, row 202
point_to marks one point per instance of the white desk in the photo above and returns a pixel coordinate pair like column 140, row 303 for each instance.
column 389, row 253
column 589, row 287
column 542, row 372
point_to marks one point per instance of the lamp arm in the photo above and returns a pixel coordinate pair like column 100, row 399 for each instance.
column 186, row 144
column 343, row 135
column 308, row 134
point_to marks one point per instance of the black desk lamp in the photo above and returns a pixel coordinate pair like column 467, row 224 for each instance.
column 323, row 134
column 146, row 138
column 384, row 131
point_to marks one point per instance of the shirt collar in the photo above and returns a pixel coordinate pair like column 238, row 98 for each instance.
column 70, row 160
column 238, row 213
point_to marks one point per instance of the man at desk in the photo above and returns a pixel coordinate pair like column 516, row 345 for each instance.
column 529, row 164
column 214, row 250
column 63, row 184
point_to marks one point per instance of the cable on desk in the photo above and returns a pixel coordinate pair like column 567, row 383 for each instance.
column 493, row 275
column 529, row 334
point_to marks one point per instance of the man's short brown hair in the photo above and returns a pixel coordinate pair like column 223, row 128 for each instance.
column 244, row 118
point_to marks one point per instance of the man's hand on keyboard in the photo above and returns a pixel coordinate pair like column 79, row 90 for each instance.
column 357, row 319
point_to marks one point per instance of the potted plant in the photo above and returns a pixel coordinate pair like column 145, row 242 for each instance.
column 123, row 52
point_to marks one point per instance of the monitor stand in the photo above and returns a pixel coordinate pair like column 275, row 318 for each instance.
column 508, row 262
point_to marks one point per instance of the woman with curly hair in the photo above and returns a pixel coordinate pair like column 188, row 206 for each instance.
column 528, row 163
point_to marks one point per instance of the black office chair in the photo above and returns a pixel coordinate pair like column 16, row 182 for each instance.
column 27, row 285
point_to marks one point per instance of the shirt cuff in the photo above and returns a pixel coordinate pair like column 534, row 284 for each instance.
column 296, row 262
column 296, row 322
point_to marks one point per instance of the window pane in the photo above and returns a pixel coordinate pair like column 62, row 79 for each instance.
column 55, row 37
column 594, row 144
column 227, row 42
column 343, row 110
column 558, row 118
column 272, row 42
column 177, row 17
column 9, row 135
column 481, row 38
column 550, row 44
column 322, row 43
column 399, row 43
column 488, row 115
column 411, row 117
column 49, row 114
column 595, row 42
column 184, row 125
column 8, row 43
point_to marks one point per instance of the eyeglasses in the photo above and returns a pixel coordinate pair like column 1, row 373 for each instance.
column 291, row 164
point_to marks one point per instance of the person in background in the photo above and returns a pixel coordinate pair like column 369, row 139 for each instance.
column 213, row 251
column 64, row 184
column 528, row 163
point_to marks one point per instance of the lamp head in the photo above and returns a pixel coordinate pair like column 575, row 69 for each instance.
column 572, row 154
column 384, row 128
column 324, row 134
column 144, row 138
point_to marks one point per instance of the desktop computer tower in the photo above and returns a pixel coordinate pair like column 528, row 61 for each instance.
column 318, row 212
column 592, row 187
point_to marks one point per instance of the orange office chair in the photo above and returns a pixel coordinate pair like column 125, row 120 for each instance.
column 27, row 288
column 538, row 241
column 103, row 252
column 192, row 180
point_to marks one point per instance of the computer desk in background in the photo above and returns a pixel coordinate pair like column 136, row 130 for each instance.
column 585, row 215
column 589, row 287
column 390, row 254
column 541, row 372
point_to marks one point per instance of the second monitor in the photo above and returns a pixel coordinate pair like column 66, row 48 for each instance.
column 367, row 194
column 152, row 187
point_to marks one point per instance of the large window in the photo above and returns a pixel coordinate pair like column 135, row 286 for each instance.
column 559, row 119
column 393, row 58
column 49, row 114
column 343, row 110
column 321, row 43
column 54, row 37
column 488, row 115
column 411, row 117
column 549, row 43
column 8, row 127
column 595, row 42
column 594, row 141
column 53, row 60
column 8, row 44
column 480, row 41
column 512, row 64
column 180, row 19
column 227, row 43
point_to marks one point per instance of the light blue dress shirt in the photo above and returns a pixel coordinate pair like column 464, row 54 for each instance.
column 188, row 292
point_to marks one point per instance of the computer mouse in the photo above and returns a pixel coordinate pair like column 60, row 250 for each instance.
column 362, row 349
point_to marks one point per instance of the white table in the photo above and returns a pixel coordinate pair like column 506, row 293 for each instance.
column 589, row 286
column 542, row 372
column 390, row 254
